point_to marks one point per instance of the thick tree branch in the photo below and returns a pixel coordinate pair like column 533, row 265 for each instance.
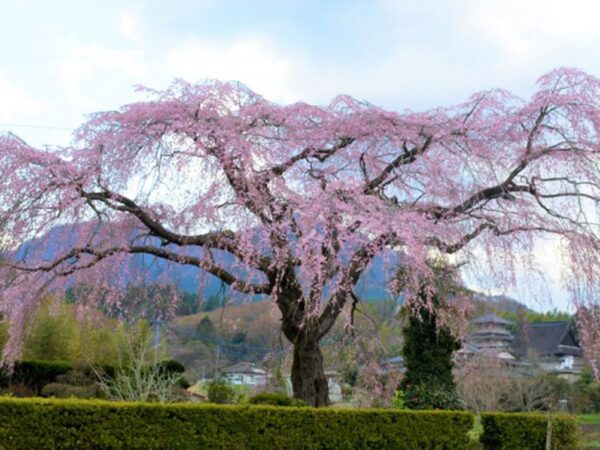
column 358, row 263
column 406, row 157
column 220, row 240
column 320, row 154
column 101, row 254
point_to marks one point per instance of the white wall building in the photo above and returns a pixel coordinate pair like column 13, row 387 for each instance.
column 246, row 374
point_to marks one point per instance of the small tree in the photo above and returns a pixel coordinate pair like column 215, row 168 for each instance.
column 219, row 391
column 142, row 377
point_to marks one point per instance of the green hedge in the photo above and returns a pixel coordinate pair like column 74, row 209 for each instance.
column 525, row 431
column 95, row 424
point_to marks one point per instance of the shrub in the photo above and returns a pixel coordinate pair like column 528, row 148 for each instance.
column 527, row 431
column 86, row 424
column 427, row 396
column 60, row 390
column 275, row 399
column 74, row 383
column 18, row 390
column 398, row 400
column 220, row 392
column 347, row 392
column 34, row 374
column 171, row 366
column 76, row 378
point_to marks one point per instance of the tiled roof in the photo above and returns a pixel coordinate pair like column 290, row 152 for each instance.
column 546, row 338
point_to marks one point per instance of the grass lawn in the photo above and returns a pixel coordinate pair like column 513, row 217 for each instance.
column 590, row 430
column 477, row 430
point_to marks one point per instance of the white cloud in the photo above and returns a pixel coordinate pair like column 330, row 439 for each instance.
column 253, row 61
column 526, row 32
column 15, row 102
column 129, row 25
column 94, row 62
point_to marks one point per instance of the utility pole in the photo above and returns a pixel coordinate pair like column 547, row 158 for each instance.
column 157, row 324
column 217, row 362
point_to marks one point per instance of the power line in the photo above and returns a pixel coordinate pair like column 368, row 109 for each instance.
column 39, row 127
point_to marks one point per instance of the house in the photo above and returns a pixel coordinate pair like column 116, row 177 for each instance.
column 246, row 374
column 393, row 364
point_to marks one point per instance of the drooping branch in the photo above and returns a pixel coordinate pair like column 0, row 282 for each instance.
column 320, row 154
column 356, row 266
column 101, row 254
column 222, row 240
column 406, row 156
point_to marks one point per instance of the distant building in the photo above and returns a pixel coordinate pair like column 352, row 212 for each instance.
column 551, row 347
column 246, row 374
column 491, row 331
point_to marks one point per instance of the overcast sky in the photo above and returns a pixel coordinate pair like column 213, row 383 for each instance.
column 63, row 59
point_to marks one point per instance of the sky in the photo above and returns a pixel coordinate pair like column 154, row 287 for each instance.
column 61, row 60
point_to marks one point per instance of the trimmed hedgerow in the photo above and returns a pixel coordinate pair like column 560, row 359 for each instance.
column 527, row 431
column 96, row 424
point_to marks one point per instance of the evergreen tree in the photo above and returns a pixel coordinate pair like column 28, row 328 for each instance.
column 206, row 330
column 429, row 347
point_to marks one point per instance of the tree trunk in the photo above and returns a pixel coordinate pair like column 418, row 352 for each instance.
column 308, row 376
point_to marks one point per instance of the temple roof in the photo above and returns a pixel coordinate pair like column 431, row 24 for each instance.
column 546, row 338
column 491, row 318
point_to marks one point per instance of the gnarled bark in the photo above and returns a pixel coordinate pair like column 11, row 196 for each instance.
column 309, row 382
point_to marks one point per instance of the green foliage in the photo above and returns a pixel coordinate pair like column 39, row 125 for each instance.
column 213, row 302
column 61, row 390
column 583, row 396
column 523, row 431
column 58, row 334
column 85, row 424
column 139, row 376
column 275, row 399
column 34, row 374
column 431, row 396
column 398, row 400
column 528, row 316
column 220, row 392
column 173, row 367
column 428, row 352
column 277, row 382
column 206, row 328
column 78, row 383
